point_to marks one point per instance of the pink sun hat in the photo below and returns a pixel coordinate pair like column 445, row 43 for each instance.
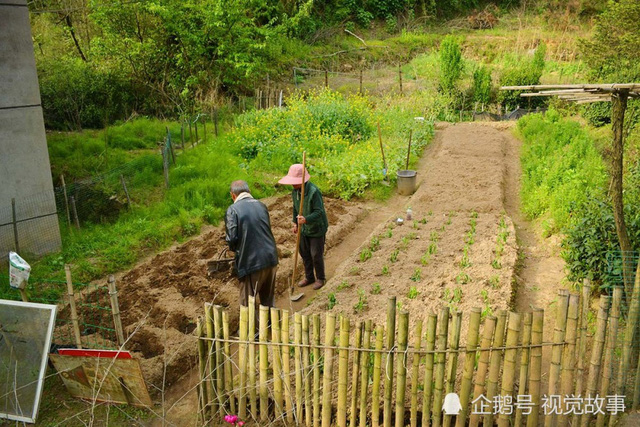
column 294, row 177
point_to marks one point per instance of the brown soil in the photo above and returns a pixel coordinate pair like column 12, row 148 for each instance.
column 161, row 298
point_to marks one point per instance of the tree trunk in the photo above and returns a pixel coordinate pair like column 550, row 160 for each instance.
column 619, row 105
column 67, row 20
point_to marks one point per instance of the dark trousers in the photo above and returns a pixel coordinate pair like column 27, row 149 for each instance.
column 312, row 253
column 260, row 284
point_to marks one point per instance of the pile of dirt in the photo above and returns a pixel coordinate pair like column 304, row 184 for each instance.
column 161, row 298
column 421, row 262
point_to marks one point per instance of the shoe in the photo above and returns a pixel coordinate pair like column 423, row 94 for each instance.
column 319, row 284
column 304, row 282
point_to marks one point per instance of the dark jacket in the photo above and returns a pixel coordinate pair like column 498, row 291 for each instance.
column 313, row 211
column 249, row 235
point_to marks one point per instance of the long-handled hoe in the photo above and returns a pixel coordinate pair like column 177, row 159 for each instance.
column 292, row 296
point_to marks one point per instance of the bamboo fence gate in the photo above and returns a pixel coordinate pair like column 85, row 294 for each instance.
column 385, row 375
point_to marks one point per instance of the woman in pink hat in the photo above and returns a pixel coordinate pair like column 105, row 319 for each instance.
column 313, row 223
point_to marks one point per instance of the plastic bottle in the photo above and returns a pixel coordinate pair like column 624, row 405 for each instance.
column 409, row 213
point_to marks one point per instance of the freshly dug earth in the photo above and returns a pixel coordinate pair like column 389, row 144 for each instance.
column 463, row 180
column 161, row 298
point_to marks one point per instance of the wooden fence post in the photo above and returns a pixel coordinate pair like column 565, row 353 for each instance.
column 401, row 386
column 360, row 82
column 277, row 364
column 559, row 330
column 494, row 364
column 74, row 210
column 582, row 346
column 377, row 367
column 242, row 362
column 165, row 167
column 211, row 356
column 536, row 366
column 364, row 373
column 355, row 377
column 297, row 354
column 428, row 368
column 441, row 356
column 217, row 324
column 509, row 371
column 327, row 379
column 568, row 358
column 483, row 365
column 115, row 309
column 415, row 373
column 286, row 366
column 400, row 76
column 264, row 364
column 252, row 356
column 612, row 335
column 306, row 371
column 316, row 369
column 343, row 370
column 66, row 199
column 326, row 78
column 202, row 363
column 228, row 370
column 452, row 363
column 469, row 363
column 388, row 378
column 72, row 306
column 524, row 363
column 15, row 225
column 126, row 192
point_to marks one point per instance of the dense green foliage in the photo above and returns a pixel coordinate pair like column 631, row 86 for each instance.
column 527, row 73
column 482, row 85
column 450, row 63
column 563, row 183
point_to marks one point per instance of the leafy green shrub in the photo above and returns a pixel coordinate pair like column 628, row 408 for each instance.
column 450, row 63
column 375, row 288
column 332, row 300
column 527, row 73
column 362, row 303
column 482, row 85
column 413, row 293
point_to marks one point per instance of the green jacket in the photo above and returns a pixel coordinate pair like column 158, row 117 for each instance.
column 313, row 211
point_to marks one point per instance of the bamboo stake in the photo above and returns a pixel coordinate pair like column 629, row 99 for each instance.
column 415, row 374
column 115, row 309
column 469, row 364
column 582, row 344
column 443, row 329
column 494, row 364
column 388, row 377
column 568, row 358
column 305, row 369
column 252, row 356
column 355, row 377
column 264, row 363
column 524, row 363
column 213, row 401
column 377, row 367
column 384, row 160
column 536, row 366
column 316, row 370
column 297, row 339
column 556, row 353
column 242, row 362
column 329, row 336
column 72, row 306
column 343, row 371
column 452, row 363
column 627, row 350
column 228, row 370
column 596, row 354
column 364, row 373
column 276, row 337
column 612, row 334
column 401, row 386
column 427, row 388
column 202, row 370
column 286, row 366
column 509, row 371
column 217, row 324
column 483, row 365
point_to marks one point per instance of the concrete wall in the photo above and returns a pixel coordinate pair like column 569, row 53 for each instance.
column 25, row 172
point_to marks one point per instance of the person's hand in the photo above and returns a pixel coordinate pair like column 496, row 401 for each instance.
column 294, row 229
column 301, row 220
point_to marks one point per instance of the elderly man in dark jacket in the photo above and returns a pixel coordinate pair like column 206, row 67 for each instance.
column 248, row 233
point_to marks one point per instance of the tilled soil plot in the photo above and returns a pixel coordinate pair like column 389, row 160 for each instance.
column 161, row 298
column 424, row 263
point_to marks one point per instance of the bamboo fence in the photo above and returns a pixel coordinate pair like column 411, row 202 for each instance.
column 382, row 375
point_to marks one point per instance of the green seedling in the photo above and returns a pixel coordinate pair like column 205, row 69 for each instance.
column 385, row 270
column 423, row 221
column 389, row 233
column 365, row 254
column 494, row 281
column 354, row 271
column 415, row 225
column 417, row 275
column 464, row 262
column 413, row 293
column 362, row 303
column 425, row 259
column 332, row 301
column 344, row 285
column 394, row 255
column 496, row 264
column 457, row 295
column 463, row 278
column 374, row 245
column 485, row 296
column 434, row 236
column 432, row 249
column 376, row 289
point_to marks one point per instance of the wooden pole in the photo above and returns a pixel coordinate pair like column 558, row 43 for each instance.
column 469, row 364
column 243, row 349
column 315, row 320
column 438, row 392
column 211, row 374
column 559, row 331
column 327, row 378
column 452, row 363
column 364, row 373
column 361, row 82
column 483, row 365
column 377, row 367
column 220, row 383
column 66, row 199
column 299, row 229
column 326, row 78
column 264, row 363
column 115, row 309
column 612, row 335
column 277, row 364
column 568, row 357
column 228, row 370
column 494, row 364
column 536, row 366
column 215, row 122
column 384, row 160
column 195, row 125
column 182, row 135
column 202, row 364
column 165, row 167
column 409, row 149
column 633, row 317
column 401, row 386
column 286, row 366
column 72, row 306
column 596, row 355
column 253, row 399
column 509, row 372
column 126, row 192
column 170, row 144
column 582, row 346
column 415, row 373
column 343, row 371
column 297, row 337
column 355, row 377
column 524, row 363
column 400, row 76
column 388, row 377
column 190, row 134
column 427, row 386
column 306, row 372
column 74, row 211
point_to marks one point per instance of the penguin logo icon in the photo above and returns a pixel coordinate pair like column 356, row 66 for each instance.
column 451, row 405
